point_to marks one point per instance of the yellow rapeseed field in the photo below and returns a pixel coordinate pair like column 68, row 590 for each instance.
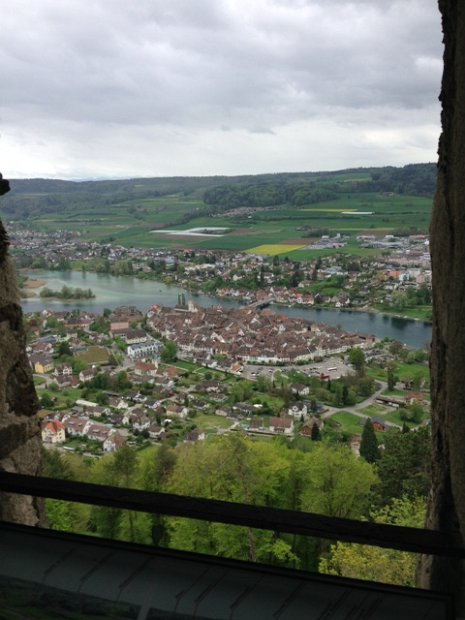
column 272, row 249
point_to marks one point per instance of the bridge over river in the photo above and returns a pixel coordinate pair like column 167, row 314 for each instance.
column 263, row 303
column 112, row 291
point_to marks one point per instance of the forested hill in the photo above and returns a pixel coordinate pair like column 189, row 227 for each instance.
column 298, row 190
column 30, row 198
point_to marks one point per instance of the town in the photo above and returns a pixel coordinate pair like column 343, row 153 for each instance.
column 230, row 364
column 186, row 373
column 395, row 278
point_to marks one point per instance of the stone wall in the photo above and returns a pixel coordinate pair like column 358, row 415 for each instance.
column 446, row 510
column 20, row 441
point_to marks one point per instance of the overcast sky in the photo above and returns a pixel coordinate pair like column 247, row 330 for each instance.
column 122, row 88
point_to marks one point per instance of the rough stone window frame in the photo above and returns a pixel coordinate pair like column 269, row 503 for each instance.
column 446, row 505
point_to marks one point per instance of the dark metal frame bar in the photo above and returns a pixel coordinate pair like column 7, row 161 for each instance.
column 229, row 563
column 429, row 542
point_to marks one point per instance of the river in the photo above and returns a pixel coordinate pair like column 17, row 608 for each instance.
column 111, row 291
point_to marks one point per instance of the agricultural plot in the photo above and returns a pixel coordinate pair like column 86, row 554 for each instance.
column 206, row 422
column 273, row 249
column 94, row 355
column 374, row 410
column 314, row 210
column 134, row 222
column 348, row 422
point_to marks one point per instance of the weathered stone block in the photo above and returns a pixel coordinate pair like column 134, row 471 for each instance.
column 20, row 440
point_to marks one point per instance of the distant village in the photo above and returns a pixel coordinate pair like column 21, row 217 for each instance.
column 182, row 374
column 222, row 340
column 185, row 373
column 398, row 275
column 245, row 335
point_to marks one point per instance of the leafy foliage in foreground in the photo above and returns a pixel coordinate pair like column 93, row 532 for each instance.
column 326, row 479
column 321, row 477
column 375, row 563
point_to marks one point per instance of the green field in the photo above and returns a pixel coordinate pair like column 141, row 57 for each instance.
column 348, row 422
column 134, row 222
column 94, row 355
column 373, row 410
column 207, row 422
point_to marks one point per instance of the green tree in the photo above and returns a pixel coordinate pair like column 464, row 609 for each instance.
column 63, row 348
column 412, row 413
column 369, row 449
column 316, row 435
column 336, row 482
column 156, row 468
column 102, row 398
column 391, row 379
column 61, row 515
column 78, row 365
column 121, row 344
column 132, row 526
column 101, row 381
column 375, row 563
column 404, row 466
column 357, row 359
column 263, row 384
column 233, row 469
column 100, row 325
column 122, row 381
column 421, row 356
column 55, row 465
column 365, row 386
column 338, row 393
column 124, row 466
column 46, row 401
column 67, row 516
column 405, row 428
column 418, row 380
column 169, row 352
column 241, row 390
column 399, row 301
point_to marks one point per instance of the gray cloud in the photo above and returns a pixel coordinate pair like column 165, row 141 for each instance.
column 80, row 77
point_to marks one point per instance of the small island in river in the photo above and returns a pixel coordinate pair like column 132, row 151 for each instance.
column 67, row 292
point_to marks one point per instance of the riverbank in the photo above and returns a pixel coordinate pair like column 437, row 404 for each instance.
column 26, row 289
column 31, row 283
column 113, row 291
column 421, row 314
column 362, row 309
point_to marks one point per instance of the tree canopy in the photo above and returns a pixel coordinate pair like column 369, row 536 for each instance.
column 369, row 444
column 321, row 478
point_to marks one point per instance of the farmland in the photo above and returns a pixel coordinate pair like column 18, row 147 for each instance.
column 94, row 355
column 284, row 230
column 260, row 213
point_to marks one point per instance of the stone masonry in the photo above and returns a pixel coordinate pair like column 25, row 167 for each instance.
column 20, row 440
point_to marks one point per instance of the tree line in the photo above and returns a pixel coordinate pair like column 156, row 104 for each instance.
column 413, row 179
column 311, row 476
column 269, row 194
column 30, row 198
column 67, row 292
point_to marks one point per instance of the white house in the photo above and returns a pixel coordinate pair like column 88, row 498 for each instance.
column 53, row 432
column 113, row 442
column 281, row 425
column 297, row 409
column 145, row 350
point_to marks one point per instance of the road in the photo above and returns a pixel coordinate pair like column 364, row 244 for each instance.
column 355, row 409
